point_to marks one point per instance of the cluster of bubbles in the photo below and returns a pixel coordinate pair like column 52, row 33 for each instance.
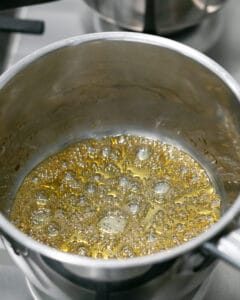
column 116, row 197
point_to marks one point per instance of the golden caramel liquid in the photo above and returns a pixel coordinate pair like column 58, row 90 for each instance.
column 116, row 197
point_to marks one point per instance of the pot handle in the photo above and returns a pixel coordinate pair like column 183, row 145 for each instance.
column 227, row 248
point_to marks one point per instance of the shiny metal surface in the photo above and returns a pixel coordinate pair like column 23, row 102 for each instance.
column 201, row 37
column 44, row 280
column 196, row 99
column 230, row 246
column 158, row 17
column 227, row 248
column 224, row 281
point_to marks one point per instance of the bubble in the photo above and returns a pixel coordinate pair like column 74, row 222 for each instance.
column 159, row 215
column 64, row 165
column 112, row 224
column 127, row 252
column 82, row 200
column 59, row 214
column 134, row 186
column 215, row 203
column 176, row 240
column 183, row 170
column 69, row 176
column 110, row 198
column 106, row 152
column 171, row 152
column 97, row 177
column 81, row 164
column 75, row 184
column 133, row 208
column 161, row 188
column 91, row 188
column 143, row 154
column 41, row 198
column 206, row 218
column 180, row 227
column 71, row 181
column 115, row 155
column 89, row 213
column 91, row 151
column 35, row 180
column 121, row 139
column 40, row 216
column 98, row 254
column 94, row 166
column 182, row 214
column 152, row 237
column 64, row 247
column 188, row 236
column 210, row 219
column 166, row 227
column 111, row 168
column 53, row 230
column 124, row 182
column 76, row 218
column 74, row 199
column 82, row 251
column 195, row 178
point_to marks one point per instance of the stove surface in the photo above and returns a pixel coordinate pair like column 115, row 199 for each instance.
column 72, row 17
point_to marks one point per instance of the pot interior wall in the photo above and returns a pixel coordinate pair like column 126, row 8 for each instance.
column 105, row 87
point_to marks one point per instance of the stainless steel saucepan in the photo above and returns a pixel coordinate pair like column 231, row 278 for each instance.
column 155, row 16
column 118, row 82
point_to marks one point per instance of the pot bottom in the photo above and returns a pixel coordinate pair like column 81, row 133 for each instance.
column 149, row 291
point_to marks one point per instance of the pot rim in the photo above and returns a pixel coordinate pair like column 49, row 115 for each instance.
column 10, row 230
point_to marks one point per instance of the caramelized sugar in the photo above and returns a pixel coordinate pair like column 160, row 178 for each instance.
column 116, row 197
